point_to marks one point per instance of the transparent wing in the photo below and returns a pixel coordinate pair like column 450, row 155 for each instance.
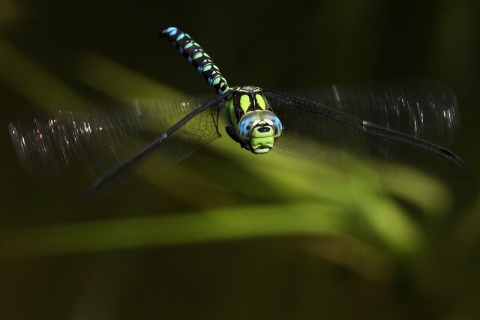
column 422, row 108
column 390, row 121
column 101, row 137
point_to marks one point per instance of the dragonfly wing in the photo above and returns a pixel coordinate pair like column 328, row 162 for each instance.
column 99, row 138
column 372, row 131
column 421, row 108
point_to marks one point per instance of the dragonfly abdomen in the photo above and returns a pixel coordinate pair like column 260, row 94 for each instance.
column 198, row 57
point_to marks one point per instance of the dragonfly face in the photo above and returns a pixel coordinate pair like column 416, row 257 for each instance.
column 252, row 122
column 258, row 130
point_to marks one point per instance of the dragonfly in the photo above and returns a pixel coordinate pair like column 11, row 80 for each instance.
column 398, row 122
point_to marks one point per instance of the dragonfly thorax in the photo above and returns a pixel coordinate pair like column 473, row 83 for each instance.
column 252, row 122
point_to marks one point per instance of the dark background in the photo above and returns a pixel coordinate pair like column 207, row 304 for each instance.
column 225, row 235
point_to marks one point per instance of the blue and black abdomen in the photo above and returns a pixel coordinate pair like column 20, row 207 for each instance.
column 198, row 57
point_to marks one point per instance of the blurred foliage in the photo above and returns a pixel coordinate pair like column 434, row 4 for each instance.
column 225, row 234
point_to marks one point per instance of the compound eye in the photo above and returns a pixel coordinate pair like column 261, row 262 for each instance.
column 272, row 120
column 246, row 125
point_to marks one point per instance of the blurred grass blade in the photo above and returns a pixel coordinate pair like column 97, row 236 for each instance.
column 31, row 80
column 217, row 225
column 118, row 81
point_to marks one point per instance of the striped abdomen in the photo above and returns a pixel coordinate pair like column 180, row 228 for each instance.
column 198, row 57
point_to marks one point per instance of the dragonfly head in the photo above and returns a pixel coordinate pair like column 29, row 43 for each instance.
column 257, row 130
